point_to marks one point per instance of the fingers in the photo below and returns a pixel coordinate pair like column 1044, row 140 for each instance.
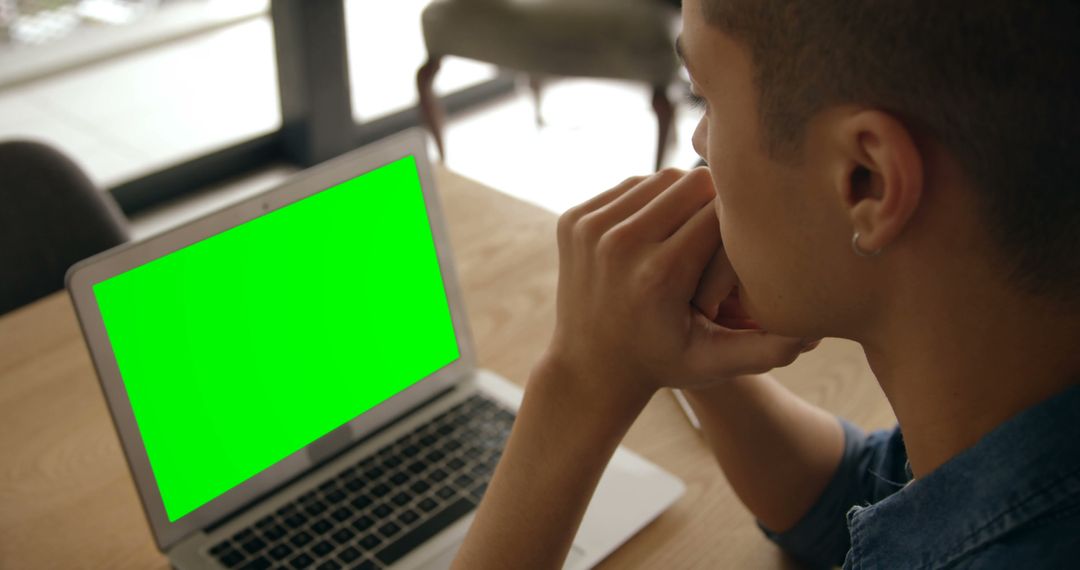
column 571, row 217
column 671, row 209
column 715, row 287
column 724, row 352
column 692, row 247
column 628, row 203
column 604, row 198
column 650, row 209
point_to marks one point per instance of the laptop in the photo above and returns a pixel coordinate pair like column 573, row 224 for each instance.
column 295, row 386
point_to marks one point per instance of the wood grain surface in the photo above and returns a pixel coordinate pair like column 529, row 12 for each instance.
column 67, row 499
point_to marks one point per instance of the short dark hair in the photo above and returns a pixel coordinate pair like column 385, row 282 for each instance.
column 994, row 81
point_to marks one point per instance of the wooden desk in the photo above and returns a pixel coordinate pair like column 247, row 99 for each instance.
column 68, row 501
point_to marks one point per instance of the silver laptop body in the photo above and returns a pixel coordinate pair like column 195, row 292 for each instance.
column 394, row 448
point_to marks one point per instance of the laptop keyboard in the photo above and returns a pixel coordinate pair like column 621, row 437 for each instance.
column 374, row 513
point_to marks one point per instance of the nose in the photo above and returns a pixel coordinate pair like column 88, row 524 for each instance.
column 699, row 139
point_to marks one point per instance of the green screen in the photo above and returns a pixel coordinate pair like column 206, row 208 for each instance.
column 243, row 348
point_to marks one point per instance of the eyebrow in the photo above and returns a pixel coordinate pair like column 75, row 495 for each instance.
column 681, row 53
column 679, row 49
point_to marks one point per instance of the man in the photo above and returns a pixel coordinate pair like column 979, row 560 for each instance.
column 899, row 174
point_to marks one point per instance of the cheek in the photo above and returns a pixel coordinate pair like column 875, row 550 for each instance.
column 749, row 218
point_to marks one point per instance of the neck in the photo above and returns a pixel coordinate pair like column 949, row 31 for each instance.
column 952, row 380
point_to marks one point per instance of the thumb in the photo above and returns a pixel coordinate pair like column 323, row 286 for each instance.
column 721, row 352
column 717, row 282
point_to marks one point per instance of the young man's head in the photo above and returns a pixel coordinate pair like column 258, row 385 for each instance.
column 943, row 133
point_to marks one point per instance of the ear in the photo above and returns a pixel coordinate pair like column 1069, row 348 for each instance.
column 882, row 178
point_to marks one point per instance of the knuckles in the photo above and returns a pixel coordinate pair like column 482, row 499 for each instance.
column 669, row 173
column 614, row 241
column 588, row 229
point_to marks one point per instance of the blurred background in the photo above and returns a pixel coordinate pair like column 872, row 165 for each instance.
column 176, row 106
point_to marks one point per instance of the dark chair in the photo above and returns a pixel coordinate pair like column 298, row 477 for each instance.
column 51, row 216
column 617, row 39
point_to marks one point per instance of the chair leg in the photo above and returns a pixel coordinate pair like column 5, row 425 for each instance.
column 665, row 114
column 536, row 85
column 430, row 111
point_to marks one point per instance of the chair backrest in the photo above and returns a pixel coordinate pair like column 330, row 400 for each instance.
column 51, row 216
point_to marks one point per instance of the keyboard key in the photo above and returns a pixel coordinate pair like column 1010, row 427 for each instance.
column 348, row 555
column 232, row 558
column 287, row 510
column 374, row 473
column 410, row 451
column 301, row 538
column 366, row 565
column 429, row 528
column 220, row 547
column 380, row 490
column 363, row 523
column 328, row 485
column 243, row 535
column 342, row 514
column 408, row 517
column 419, row 487
column 417, row 467
column 315, row 508
column 370, row 542
column 265, row 521
column 399, row 478
column 329, row 565
column 438, row 475
column 308, row 497
column 343, row 535
column 464, row 481
column 428, row 504
column 479, row 469
column 302, row 561
column 401, row 499
column 445, row 492
column 478, row 492
column 322, row 548
column 435, row 456
column 445, row 429
column 361, row 502
column 254, row 545
column 389, row 529
column 322, row 526
column 354, row 485
column 427, row 440
column 295, row 521
column 382, row 511
column 335, row 496
column 391, row 462
column 275, row 532
column 453, row 445
column 280, row 551
column 260, row 563
column 455, row 463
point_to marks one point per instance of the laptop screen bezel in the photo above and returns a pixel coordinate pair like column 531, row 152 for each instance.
column 84, row 275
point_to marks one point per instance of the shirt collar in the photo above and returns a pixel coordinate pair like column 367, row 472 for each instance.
column 1023, row 470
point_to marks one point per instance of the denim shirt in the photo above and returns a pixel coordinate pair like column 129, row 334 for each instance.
column 1010, row 501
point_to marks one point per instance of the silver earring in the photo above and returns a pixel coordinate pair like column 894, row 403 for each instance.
column 858, row 250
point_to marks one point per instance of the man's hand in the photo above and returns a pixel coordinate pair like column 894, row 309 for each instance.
column 644, row 297
column 645, row 292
